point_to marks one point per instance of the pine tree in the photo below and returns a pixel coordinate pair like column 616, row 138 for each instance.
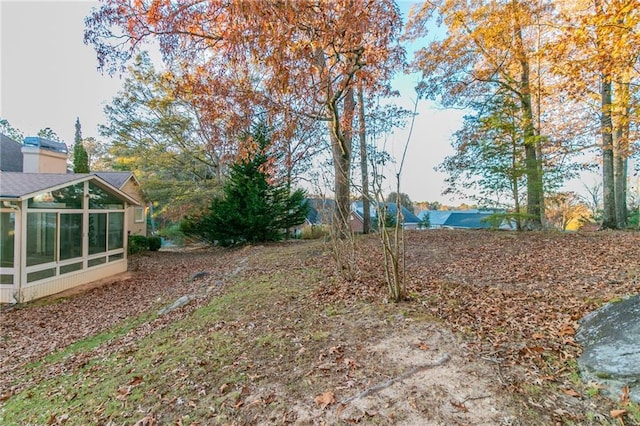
column 252, row 209
column 80, row 156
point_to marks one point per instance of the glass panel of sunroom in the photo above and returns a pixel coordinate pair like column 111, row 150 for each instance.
column 41, row 238
column 70, row 236
column 100, row 198
column 97, row 233
column 69, row 197
column 7, row 238
column 116, row 230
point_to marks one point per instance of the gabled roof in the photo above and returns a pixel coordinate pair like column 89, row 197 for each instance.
column 436, row 217
column 10, row 154
column 468, row 220
column 321, row 210
column 392, row 210
column 20, row 186
column 117, row 179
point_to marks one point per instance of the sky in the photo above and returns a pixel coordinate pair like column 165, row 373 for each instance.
column 49, row 77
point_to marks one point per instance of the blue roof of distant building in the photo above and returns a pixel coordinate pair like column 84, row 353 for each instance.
column 45, row 144
column 392, row 210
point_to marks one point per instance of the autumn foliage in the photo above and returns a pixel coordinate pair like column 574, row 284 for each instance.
column 296, row 60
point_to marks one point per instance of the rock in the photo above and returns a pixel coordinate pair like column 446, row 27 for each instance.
column 610, row 337
column 199, row 275
column 175, row 305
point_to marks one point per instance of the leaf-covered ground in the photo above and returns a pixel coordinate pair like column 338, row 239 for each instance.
column 273, row 335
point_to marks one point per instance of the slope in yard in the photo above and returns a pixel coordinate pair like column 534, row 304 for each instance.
column 273, row 336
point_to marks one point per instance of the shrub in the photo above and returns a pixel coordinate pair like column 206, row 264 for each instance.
column 314, row 232
column 155, row 243
column 138, row 244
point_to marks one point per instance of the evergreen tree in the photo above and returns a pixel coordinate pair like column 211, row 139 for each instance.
column 252, row 209
column 80, row 156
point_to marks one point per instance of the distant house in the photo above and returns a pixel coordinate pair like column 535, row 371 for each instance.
column 462, row 219
column 356, row 220
column 58, row 230
column 320, row 214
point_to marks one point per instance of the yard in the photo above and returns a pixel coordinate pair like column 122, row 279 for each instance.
column 272, row 335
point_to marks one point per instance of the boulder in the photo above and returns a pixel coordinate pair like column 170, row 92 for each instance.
column 610, row 338
column 175, row 305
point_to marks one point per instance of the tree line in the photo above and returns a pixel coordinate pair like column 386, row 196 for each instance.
column 544, row 81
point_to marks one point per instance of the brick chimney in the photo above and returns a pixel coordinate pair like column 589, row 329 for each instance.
column 43, row 156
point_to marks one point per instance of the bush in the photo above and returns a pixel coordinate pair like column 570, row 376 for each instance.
column 138, row 244
column 155, row 243
column 314, row 232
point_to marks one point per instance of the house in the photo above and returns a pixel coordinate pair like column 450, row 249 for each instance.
column 437, row 218
column 320, row 214
column 462, row 219
column 127, row 183
column 10, row 154
column 58, row 230
column 356, row 221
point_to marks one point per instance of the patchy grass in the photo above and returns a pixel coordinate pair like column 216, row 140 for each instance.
column 272, row 330
column 194, row 368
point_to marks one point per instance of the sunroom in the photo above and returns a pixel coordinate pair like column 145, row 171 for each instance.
column 59, row 231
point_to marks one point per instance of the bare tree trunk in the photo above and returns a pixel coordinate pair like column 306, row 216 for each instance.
column 535, row 210
column 514, row 185
column 620, row 182
column 608, row 175
column 621, row 147
column 366, row 212
column 341, row 149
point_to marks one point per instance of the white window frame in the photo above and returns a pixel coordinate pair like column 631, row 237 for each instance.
column 137, row 210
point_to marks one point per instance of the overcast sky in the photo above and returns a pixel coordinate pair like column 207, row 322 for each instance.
column 48, row 77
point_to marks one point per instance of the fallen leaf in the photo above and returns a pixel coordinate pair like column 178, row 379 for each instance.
column 135, row 381
column 224, row 388
column 571, row 392
column 460, row 406
column 423, row 346
column 617, row 413
column 147, row 420
column 351, row 363
column 325, row 399
column 122, row 393
column 567, row 330
column 624, row 398
column 335, row 349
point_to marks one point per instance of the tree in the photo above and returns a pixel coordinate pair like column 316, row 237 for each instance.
column 489, row 158
column 300, row 59
column 48, row 133
column 593, row 199
column 425, row 222
column 599, row 48
column 97, row 154
column 253, row 208
column 489, row 47
column 80, row 156
column 402, row 198
column 8, row 130
column 566, row 211
column 162, row 137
